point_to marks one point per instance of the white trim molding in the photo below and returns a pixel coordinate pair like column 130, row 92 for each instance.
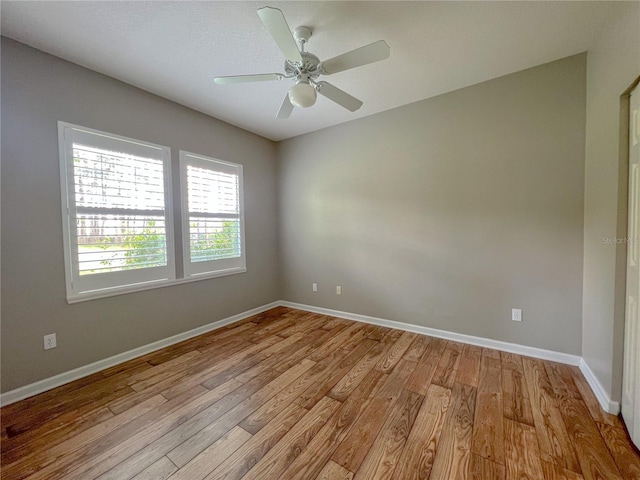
column 66, row 377
column 601, row 394
column 457, row 337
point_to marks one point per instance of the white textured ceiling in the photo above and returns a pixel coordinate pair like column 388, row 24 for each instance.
column 174, row 49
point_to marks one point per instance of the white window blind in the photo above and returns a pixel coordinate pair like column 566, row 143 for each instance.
column 213, row 226
column 116, row 202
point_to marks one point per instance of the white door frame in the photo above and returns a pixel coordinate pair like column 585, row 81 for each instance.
column 631, row 364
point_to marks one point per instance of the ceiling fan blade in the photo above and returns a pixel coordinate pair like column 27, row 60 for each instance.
column 262, row 77
column 286, row 108
column 274, row 20
column 341, row 97
column 373, row 52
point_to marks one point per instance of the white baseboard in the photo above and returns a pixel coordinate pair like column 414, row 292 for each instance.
column 603, row 397
column 66, row 377
column 434, row 332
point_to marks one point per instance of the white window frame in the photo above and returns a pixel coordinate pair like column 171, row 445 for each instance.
column 87, row 287
column 210, row 268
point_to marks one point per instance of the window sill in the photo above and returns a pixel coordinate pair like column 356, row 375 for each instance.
column 140, row 287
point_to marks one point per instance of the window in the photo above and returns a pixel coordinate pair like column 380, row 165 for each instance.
column 117, row 218
column 116, row 211
column 212, row 216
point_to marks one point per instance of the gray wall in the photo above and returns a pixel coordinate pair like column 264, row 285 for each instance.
column 37, row 91
column 448, row 212
column 613, row 65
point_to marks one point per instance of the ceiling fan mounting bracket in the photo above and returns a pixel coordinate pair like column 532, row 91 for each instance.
column 302, row 35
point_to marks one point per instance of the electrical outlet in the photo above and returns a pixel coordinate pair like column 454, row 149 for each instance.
column 50, row 341
column 314, row 287
column 338, row 290
column 516, row 314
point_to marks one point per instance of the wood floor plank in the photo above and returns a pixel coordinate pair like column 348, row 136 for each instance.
column 130, row 400
column 391, row 356
column 351, row 335
column 423, row 373
column 469, row 366
column 552, row 471
column 551, row 432
column 270, row 329
column 515, row 397
column 590, row 400
column 119, row 443
column 333, row 471
column 333, row 322
column 315, row 392
column 271, row 314
column 222, row 348
column 175, row 385
column 316, row 375
column 522, row 458
column 377, row 332
column 207, row 460
column 48, row 452
column 445, row 373
column 481, row 468
column 453, row 455
column 316, row 454
column 199, row 431
column 372, row 358
column 285, row 452
column 276, row 362
column 511, row 361
column 382, row 459
column 53, row 432
column 417, row 348
column 123, row 369
column 306, row 323
column 418, row 455
column 97, row 394
column 263, row 412
column 246, row 457
column 594, row 457
column 315, row 341
column 491, row 353
column 153, row 375
column 437, row 346
column 561, row 379
column 185, row 354
column 356, row 444
column 624, row 453
column 283, row 346
column 203, row 344
column 19, row 411
column 160, row 470
column 488, row 436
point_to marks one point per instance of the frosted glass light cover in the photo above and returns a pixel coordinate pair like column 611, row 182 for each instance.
column 302, row 95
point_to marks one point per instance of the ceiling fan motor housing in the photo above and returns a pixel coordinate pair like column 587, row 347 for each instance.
column 308, row 67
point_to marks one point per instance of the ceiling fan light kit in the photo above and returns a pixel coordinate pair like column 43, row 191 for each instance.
column 304, row 68
column 302, row 94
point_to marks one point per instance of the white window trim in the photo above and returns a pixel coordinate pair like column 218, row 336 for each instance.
column 65, row 152
column 202, row 270
column 134, row 280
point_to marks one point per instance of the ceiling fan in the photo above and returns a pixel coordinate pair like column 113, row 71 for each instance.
column 304, row 68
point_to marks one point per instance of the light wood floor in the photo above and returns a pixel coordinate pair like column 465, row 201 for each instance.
column 294, row 395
